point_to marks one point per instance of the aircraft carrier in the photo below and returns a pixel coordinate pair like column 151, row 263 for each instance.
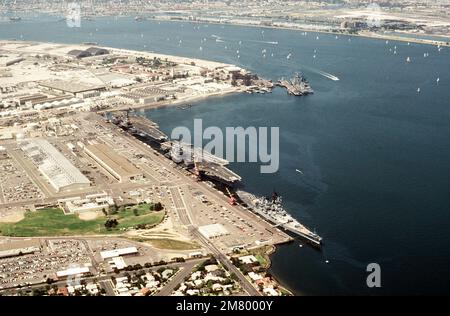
column 146, row 128
column 201, row 162
column 138, row 125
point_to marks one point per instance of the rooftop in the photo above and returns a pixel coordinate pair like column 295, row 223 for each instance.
column 69, row 86
column 118, row 252
column 113, row 160
column 57, row 168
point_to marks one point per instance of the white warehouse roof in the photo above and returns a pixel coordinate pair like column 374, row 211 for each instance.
column 118, row 252
column 72, row 271
column 60, row 172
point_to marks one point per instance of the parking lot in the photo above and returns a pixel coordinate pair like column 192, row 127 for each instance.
column 15, row 185
column 55, row 255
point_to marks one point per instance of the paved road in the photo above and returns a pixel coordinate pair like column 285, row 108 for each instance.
column 31, row 172
column 246, row 285
column 183, row 210
column 177, row 279
column 189, row 264
column 180, row 206
column 108, row 286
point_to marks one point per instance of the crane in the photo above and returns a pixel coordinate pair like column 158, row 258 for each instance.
column 197, row 171
column 232, row 199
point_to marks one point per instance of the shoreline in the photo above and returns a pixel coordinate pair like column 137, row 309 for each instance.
column 364, row 34
column 301, row 29
column 183, row 99
column 272, row 250
column 205, row 63
column 171, row 103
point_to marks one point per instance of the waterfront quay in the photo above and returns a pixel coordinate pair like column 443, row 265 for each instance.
column 74, row 177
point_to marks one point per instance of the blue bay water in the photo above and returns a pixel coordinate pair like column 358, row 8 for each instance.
column 374, row 151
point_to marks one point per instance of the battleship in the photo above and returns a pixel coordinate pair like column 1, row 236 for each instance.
column 297, row 86
column 272, row 210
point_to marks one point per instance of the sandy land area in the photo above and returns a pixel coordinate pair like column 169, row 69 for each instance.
column 88, row 216
column 181, row 100
column 12, row 218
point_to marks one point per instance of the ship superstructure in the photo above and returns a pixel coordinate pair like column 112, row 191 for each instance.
column 273, row 211
column 297, row 86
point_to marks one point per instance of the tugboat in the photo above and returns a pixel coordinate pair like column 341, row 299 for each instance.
column 272, row 210
column 184, row 106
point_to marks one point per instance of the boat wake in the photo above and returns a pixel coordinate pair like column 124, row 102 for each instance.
column 327, row 75
column 263, row 42
column 221, row 40
column 318, row 71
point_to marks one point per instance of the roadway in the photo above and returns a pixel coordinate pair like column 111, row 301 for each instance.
column 105, row 279
column 178, row 278
column 180, row 207
column 176, row 179
column 246, row 285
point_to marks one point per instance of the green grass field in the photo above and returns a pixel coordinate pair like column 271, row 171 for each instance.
column 53, row 222
column 262, row 260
